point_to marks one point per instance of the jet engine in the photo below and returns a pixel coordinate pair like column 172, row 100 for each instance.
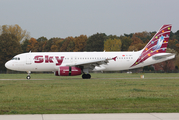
column 68, row 71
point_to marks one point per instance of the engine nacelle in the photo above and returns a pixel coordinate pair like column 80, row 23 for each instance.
column 68, row 71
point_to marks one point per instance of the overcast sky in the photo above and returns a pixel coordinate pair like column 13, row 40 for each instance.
column 63, row 18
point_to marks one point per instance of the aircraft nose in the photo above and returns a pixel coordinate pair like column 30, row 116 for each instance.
column 7, row 65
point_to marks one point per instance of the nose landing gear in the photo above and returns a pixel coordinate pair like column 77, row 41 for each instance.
column 28, row 76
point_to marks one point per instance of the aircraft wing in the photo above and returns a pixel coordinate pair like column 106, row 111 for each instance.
column 93, row 63
column 163, row 55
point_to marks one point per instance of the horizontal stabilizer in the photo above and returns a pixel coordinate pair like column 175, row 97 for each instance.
column 163, row 56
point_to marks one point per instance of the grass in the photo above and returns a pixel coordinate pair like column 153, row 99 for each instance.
column 104, row 93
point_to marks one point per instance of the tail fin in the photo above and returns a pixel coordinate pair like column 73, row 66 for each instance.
column 158, row 44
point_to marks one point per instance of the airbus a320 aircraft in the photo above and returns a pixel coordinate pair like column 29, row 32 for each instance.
column 77, row 63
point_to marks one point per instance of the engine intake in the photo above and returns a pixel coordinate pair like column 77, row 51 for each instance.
column 68, row 71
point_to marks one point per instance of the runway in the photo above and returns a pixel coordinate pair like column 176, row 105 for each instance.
column 99, row 78
column 115, row 116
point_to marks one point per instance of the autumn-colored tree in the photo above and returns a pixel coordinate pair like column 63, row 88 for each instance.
column 136, row 40
column 112, row 45
column 53, row 48
column 52, row 45
column 71, row 46
column 137, row 43
column 144, row 36
column 59, row 44
column 166, row 66
column 136, row 47
column 177, row 47
column 172, row 43
column 9, row 47
column 31, row 46
column 41, row 43
column 64, row 44
column 16, row 30
column 80, row 43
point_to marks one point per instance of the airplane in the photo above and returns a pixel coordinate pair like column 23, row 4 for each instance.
column 77, row 63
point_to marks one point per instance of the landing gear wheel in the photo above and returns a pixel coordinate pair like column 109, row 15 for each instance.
column 86, row 76
column 28, row 77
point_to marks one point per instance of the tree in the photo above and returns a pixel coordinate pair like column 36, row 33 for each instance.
column 148, row 68
column 172, row 43
column 53, row 48
column 31, row 46
column 71, row 46
column 136, row 47
column 16, row 30
column 112, row 45
column 59, row 44
column 112, row 37
column 128, row 35
column 144, row 36
column 177, row 61
column 166, row 66
column 80, row 43
column 136, row 40
column 42, row 39
column 9, row 47
column 126, row 42
column 64, row 44
column 52, row 45
column 96, row 42
column 41, row 43
column 24, row 45
column 137, row 43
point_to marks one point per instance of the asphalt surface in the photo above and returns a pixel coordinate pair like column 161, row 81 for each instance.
column 115, row 116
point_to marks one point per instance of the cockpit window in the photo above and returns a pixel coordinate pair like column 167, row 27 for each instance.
column 16, row 58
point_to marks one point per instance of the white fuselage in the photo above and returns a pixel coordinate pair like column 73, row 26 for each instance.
column 51, row 61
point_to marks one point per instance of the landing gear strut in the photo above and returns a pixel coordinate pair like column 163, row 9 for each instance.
column 86, row 76
column 28, row 76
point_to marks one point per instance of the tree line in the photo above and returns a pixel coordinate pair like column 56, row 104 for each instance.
column 15, row 40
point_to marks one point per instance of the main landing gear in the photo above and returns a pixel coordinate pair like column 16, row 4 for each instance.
column 28, row 76
column 86, row 76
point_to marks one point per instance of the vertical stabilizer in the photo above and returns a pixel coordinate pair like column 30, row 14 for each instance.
column 158, row 44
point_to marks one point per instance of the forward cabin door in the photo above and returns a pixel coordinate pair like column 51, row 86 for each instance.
column 28, row 59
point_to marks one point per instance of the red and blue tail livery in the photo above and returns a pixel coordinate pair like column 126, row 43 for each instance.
column 158, row 44
column 77, row 63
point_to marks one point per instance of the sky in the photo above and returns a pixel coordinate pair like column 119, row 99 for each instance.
column 63, row 18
